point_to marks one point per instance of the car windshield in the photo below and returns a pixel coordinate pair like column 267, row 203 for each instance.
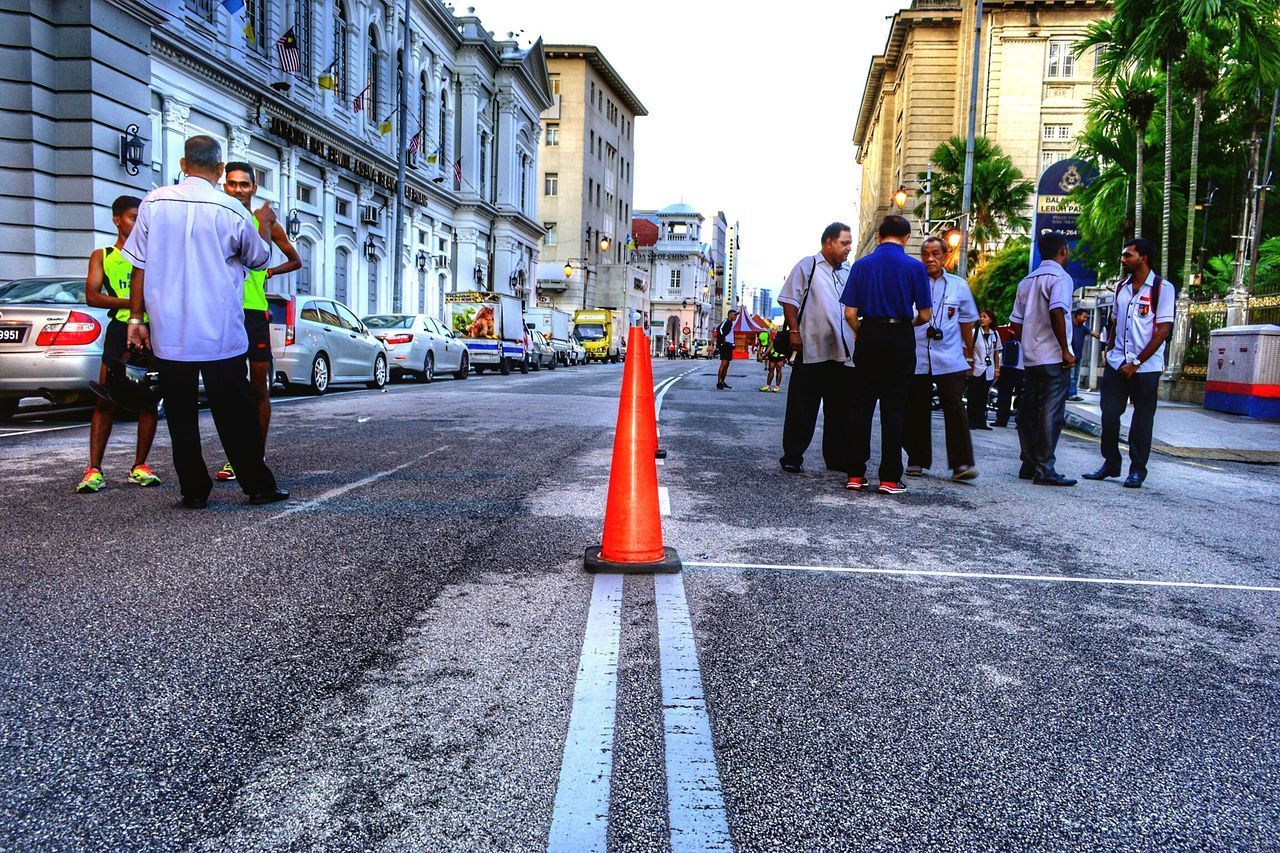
column 589, row 332
column 389, row 321
column 43, row 291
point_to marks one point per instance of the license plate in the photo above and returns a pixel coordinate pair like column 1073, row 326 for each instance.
column 12, row 334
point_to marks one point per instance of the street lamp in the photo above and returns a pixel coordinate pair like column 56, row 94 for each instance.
column 132, row 150
column 293, row 224
column 953, row 238
column 900, row 197
column 421, row 259
column 605, row 243
column 370, row 249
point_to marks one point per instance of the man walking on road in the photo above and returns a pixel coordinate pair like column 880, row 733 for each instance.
column 1139, row 327
column 1079, row 332
column 241, row 183
column 1039, row 321
column 1009, row 386
column 944, row 354
column 886, row 294
column 725, row 350
column 823, row 346
column 191, row 248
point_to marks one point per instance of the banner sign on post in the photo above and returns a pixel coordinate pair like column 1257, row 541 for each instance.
column 1055, row 212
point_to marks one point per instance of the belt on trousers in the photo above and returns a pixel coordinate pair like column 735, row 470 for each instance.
column 885, row 320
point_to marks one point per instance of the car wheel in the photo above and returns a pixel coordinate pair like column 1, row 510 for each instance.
column 429, row 368
column 379, row 373
column 480, row 369
column 320, row 375
column 552, row 365
column 464, row 367
column 8, row 407
column 536, row 363
column 504, row 366
column 524, row 365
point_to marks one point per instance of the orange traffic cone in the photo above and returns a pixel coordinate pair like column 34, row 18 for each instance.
column 632, row 521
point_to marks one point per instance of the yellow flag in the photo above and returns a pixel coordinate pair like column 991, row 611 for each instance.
column 385, row 127
column 327, row 81
column 249, row 34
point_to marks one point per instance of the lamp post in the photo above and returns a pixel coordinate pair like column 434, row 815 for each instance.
column 132, row 150
column 568, row 273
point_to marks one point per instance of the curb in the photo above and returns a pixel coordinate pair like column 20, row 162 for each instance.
column 1084, row 424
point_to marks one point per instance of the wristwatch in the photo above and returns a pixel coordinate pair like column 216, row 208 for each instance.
column 1135, row 361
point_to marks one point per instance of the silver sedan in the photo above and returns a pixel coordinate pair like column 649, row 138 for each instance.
column 419, row 345
column 50, row 341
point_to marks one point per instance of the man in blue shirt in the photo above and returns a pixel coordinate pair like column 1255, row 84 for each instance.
column 885, row 296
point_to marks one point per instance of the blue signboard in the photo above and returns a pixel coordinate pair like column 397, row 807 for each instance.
column 1054, row 212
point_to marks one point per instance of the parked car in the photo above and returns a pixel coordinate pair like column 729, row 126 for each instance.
column 561, row 349
column 318, row 342
column 705, row 349
column 541, row 353
column 50, row 341
column 420, row 345
column 577, row 352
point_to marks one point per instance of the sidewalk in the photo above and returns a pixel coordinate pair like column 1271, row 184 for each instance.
column 1191, row 432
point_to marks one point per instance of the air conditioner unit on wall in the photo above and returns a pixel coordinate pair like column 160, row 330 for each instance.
column 370, row 214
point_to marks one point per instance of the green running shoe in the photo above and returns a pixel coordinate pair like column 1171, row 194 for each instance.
column 142, row 475
column 93, row 481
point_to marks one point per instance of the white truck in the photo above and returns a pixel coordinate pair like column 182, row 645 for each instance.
column 492, row 327
column 554, row 325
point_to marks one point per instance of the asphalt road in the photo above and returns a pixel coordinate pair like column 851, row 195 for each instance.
column 390, row 661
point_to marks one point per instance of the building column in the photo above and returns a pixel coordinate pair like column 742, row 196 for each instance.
column 238, row 144
column 173, row 118
column 504, row 151
column 1237, row 307
column 322, row 285
column 470, row 134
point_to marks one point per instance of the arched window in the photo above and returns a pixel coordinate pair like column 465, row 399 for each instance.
column 255, row 14
column 341, row 63
column 302, row 31
column 484, row 166
column 426, row 146
column 374, row 79
column 442, row 142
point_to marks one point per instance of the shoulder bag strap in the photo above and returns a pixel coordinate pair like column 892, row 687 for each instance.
column 807, row 288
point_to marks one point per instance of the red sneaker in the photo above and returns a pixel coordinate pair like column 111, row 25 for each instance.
column 856, row 484
column 888, row 488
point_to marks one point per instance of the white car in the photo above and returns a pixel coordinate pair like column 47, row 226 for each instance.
column 317, row 342
column 420, row 345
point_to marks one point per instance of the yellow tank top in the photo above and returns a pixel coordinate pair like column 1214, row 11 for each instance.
column 255, row 285
column 116, row 269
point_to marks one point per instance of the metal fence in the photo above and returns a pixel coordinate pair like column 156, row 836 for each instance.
column 1209, row 314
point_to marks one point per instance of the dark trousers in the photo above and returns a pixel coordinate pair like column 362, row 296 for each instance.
column 826, row 383
column 885, row 360
column 976, row 394
column 1117, row 391
column 226, row 384
column 917, row 428
column 1008, row 386
column 1042, row 410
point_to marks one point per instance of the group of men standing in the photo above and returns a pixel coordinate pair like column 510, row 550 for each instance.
column 886, row 330
column 185, row 281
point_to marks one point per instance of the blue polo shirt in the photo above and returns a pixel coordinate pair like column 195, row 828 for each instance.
column 887, row 283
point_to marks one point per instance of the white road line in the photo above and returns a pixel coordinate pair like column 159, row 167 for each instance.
column 580, row 820
column 665, row 385
column 664, row 500
column 42, row 429
column 988, row 576
column 695, row 802
column 343, row 489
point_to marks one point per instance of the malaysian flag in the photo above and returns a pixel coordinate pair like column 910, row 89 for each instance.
column 288, row 54
column 358, row 104
column 457, row 171
column 415, row 144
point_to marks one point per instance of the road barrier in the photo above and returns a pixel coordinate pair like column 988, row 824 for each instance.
column 632, row 541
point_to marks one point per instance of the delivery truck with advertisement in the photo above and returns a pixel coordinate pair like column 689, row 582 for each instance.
column 554, row 325
column 492, row 327
column 601, row 333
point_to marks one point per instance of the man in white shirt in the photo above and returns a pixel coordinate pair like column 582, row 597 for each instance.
column 1039, row 320
column 823, row 346
column 191, row 248
column 1136, row 334
column 944, row 354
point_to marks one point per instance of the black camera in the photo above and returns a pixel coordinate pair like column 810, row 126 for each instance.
column 933, row 333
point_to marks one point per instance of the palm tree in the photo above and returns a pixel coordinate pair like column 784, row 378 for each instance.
column 1001, row 194
column 1139, row 104
column 1199, row 71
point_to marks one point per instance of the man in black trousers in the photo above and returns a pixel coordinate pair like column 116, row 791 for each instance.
column 823, row 347
column 190, row 248
column 886, row 296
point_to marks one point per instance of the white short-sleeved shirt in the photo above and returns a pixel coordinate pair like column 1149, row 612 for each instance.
column 986, row 352
column 1136, row 322
column 1048, row 287
column 196, row 244
column 824, row 334
column 952, row 305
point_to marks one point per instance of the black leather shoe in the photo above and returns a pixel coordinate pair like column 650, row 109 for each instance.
column 195, row 503
column 1134, row 481
column 1055, row 480
column 1101, row 474
column 792, row 469
column 1026, row 473
column 999, row 423
column 268, row 497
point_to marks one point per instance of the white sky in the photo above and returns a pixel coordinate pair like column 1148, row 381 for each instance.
column 751, row 108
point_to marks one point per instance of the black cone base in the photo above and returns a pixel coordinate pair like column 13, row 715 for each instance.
column 669, row 564
column 660, row 454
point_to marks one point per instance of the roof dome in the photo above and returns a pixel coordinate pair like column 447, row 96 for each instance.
column 681, row 209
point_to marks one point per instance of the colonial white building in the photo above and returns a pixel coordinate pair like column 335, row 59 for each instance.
column 679, row 266
column 175, row 68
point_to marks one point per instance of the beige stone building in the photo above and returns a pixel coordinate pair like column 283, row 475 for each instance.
column 1032, row 92
column 586, row 185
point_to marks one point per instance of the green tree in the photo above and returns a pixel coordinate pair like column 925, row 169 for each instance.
column 995, row 280
column 1001, row 194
